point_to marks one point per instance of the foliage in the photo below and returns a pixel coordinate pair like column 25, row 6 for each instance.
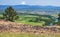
column 58, row 19
column 10, row 14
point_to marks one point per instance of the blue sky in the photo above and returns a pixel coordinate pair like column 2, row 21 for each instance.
column 30, row 2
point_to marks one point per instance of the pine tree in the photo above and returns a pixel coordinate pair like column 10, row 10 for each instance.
column 10, row 14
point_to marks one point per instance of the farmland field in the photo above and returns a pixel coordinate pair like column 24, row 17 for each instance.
column 25, row 19
column 41, row 19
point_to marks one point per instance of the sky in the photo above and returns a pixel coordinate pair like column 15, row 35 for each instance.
column 30, row 2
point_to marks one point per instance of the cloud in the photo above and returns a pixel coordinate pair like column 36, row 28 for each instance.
column 23, row 2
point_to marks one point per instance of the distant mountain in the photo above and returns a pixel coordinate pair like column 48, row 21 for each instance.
column 32, row 8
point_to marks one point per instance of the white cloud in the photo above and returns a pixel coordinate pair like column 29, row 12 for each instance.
column 23, row 2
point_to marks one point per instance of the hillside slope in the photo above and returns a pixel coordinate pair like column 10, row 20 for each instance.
column 6, row 26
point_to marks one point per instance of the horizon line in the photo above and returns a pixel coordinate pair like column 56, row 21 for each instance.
column 30, row 5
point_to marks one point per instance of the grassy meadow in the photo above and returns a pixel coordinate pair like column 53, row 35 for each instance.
column 27, row 35
column 25, row 20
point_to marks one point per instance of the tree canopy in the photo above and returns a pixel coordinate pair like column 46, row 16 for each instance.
column 10, row 14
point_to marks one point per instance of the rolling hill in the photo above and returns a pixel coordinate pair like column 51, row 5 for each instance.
column 32, row 8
